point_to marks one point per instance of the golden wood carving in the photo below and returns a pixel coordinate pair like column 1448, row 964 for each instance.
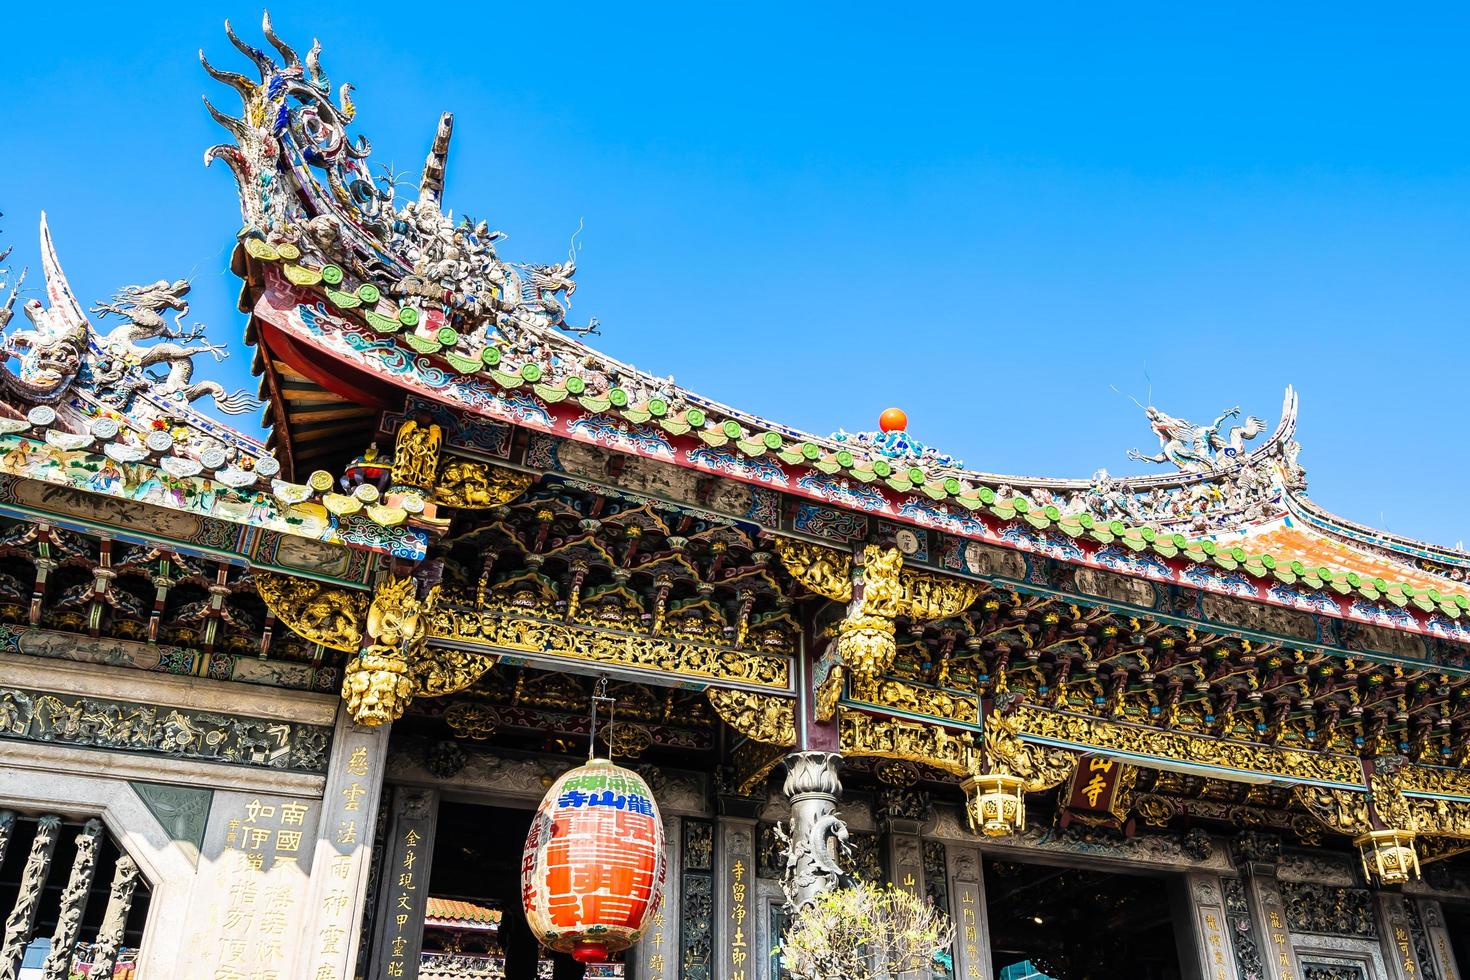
column 916, row 699
column 379, row 684
column 1341, row 810
column 376, row 686
column 928, row 597
column 1108, row 736
column 474, row 485
column 864, row 735
column 1042, row 767
column 829, row 692
column 324, row 614
column 763, row 717
column 416, row 455
column 1434, row 779
column 825, row 571
column 440, row 671
column 504, row 630
column 753, row 762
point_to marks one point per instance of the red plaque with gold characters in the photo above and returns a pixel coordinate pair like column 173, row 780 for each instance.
column 594, row 865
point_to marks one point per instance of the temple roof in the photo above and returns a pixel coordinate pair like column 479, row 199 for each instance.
column 361, row 304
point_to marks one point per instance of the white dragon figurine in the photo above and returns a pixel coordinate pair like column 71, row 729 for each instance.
column 1198, row 448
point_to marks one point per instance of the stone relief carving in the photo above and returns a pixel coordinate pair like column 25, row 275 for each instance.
column 1329, row 911
column 183, row 811
column 115, row 919
column 1320, row 869
column 98, row 723
column 817, row 839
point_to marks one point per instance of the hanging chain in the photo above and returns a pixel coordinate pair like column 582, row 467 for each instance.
column 599, row 696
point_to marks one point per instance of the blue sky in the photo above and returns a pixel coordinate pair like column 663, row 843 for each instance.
column 984, row 214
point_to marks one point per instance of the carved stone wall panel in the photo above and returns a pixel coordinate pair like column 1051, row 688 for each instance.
column 212, row 736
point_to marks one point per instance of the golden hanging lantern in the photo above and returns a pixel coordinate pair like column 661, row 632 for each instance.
column 996, row 805
column 1389, row 857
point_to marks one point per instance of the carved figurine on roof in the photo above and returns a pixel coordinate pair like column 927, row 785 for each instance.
column 130, row 389
column 1198, row 448
column 306, row 188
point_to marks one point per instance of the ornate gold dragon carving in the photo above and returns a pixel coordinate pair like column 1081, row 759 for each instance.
column 325, row 614
column 470, row 484
column 378, row 683
column 1344, row 811
column 763, row 717
column 900, row 695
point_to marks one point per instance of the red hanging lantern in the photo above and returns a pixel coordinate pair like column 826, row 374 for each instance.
column 593, row 869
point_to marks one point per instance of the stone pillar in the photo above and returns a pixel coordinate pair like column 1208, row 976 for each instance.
column 1398, row 943
column 901, row 813
column 33, row 879
column 1256, row 855
column 327, row 948
column 1437, row 938
column 115, row 919
column 404, row 889
column 816, row 833
column 696, row 900
column 1204, row 945
column 656, row 956
column 736, row 954
column 73, row 903
column 967, row 906
column 1241, row 927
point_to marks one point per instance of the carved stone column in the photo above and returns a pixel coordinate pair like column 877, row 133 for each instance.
column 341, row 852
column 73, row 903
column 115, row 919
column 1269, row 912
column 967, row 907
column 656, row 957
column 737, row 955
column 1204, row 943
column 816, row 838
column 901, row 813
column 1437, row 938
column 404, row 891
column 1398, row 942
column 33, row 879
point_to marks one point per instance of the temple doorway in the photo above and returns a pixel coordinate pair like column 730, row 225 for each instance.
column 473, row 925
column 1078, row 924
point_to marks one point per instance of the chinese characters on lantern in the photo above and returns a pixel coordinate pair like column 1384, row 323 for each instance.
column 593, row 867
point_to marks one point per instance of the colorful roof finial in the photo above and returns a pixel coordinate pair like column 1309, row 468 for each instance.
column 893, row 441
column 893, row 420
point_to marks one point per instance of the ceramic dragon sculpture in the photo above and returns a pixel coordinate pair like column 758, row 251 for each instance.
column 1198, row 448
column 142, row 308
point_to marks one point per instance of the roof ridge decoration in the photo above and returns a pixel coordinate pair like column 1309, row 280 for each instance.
column 428, row 300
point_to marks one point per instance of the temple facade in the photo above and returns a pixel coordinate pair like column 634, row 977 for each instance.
column 284, row 709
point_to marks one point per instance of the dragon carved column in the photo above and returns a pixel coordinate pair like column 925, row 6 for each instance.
column 73, row 903
column 816, row 838
column 32, row 881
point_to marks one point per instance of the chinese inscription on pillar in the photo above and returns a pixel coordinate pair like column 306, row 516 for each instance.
column 969, row 931
column 404, row 887
column 249, row 938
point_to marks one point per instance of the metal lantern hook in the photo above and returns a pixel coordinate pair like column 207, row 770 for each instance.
column 599, row 696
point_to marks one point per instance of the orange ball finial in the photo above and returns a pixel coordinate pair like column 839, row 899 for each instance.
column 893, row 420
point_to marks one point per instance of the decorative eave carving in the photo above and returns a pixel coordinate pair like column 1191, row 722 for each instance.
column 762, row 717
column 325, row 614
column 471, row 485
